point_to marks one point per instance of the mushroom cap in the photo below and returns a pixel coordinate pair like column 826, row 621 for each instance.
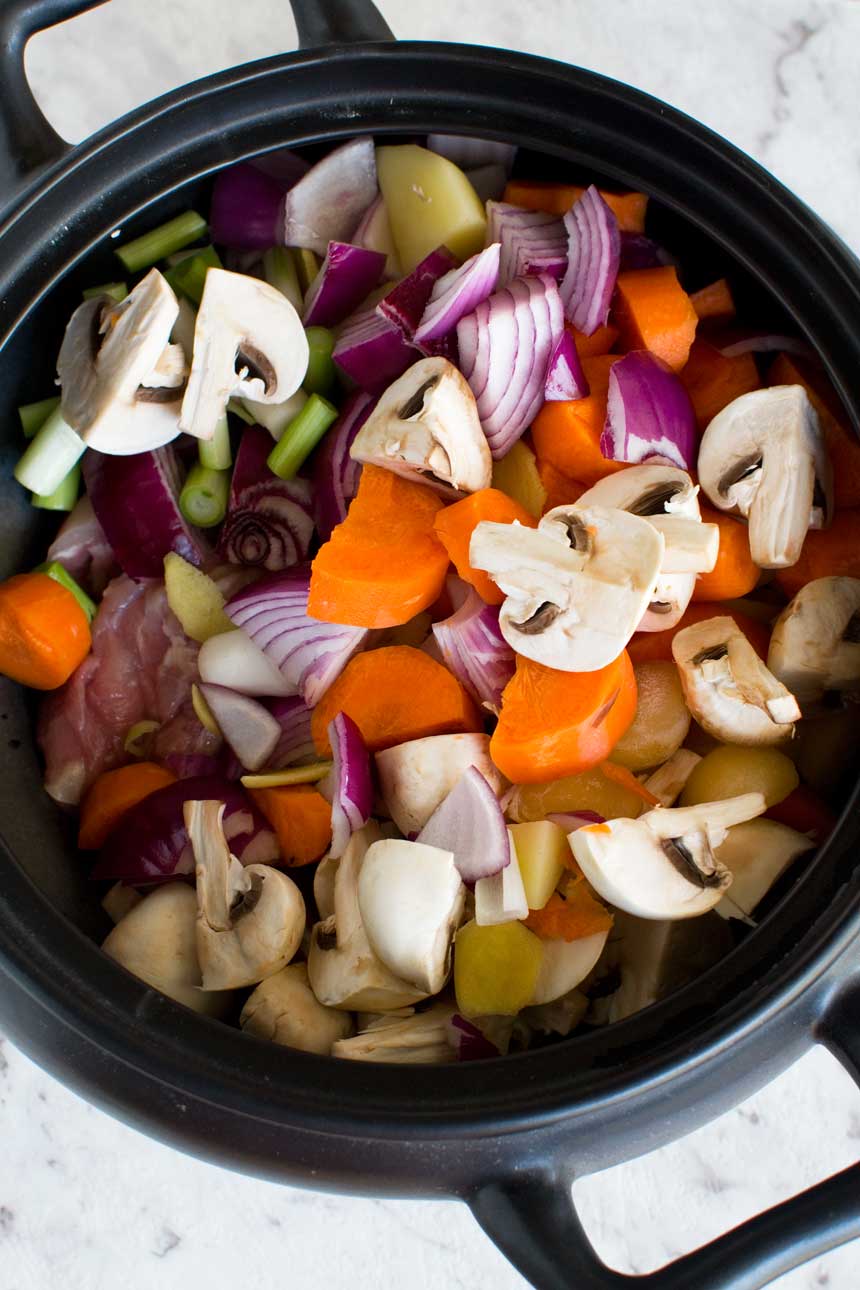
column 756, row 853
column 417, row 775
column 728, row 689
column 576, row 587
column 284, row 1010
column 426, row 427
column 763, row 457
column 815, row 643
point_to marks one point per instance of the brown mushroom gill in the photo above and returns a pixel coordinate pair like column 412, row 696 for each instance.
column 160, row 393
column 654, row 501
column 577, row 534
column 712, row 654
column 684, row 863
column 258, row 367
column 245, row 901
column 415, row 403
column 740, row 470
column 539, row 620
column 851, row 634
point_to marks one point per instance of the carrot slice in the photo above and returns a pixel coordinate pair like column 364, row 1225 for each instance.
column 301, row 818
column 44, row 632
column 536, row 195
column 560, row 489
column 713, row 381
column 621, row 775
column 805, row 811
column 653, row 311
column 599, row 342
column 652, row 647
column 825, row 552
column 567, row 433
column 714, row 301
column 570, row 917
column 454, row 527
column 843, row 445
column 114, row 793
column 735, row 572
column 395, row 694
column 560, row 723
column 384, row 563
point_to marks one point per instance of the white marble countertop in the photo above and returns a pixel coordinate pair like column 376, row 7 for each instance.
column 87, row 1203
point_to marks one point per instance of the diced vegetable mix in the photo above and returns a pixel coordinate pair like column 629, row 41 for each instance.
column 505, row 584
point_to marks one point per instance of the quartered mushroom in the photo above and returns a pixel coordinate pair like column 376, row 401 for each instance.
column 343, row 969
column 419, row 1037
column 284, row 1010
column 728, row 689
column 415, row 776
column 576, row 587
column 815, row 643
column 411, row 899
column 426, row 427
column 250, row 918
column 763, row 457
column 249, row 342
column 662, row 865
column 122, row 380
column 756, row 854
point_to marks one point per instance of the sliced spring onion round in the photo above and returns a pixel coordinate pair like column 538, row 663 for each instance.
column 203, row 500
column 52, row 453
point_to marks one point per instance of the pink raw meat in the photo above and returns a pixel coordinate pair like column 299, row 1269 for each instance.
column 83, row 550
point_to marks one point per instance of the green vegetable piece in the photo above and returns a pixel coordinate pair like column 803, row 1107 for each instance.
column 279, row 270
column 216, row 453
column 301, row 437
column 203, row 500
column 116, row 290
column 307, row 266
column 151, row 247
column 50, row 455
column 34, row 415
column 64, row 495
column 237, row 407
column 55, row 570
column 321, row 376
column 188, row 277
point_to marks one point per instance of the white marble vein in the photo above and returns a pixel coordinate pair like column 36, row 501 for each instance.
column 89, row 1204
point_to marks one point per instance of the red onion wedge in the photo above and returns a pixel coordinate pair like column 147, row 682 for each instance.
column 282, row 164
column 593, row 256
column 469, row 822
column 232, row 659
column 488, row 182
column 336, row 475
column 405, row 303
column 295, row 743
column 351, row 783
column 572, row 820
column 565, row 378
column 345, row 277
column 640, row 252
column 505, row 348
column 136, row 502
column 468, row 153
column 327, row 204
column 150, row 844
column 310, row 654
column 245, row 210
column 269, row 520
column 374, row 233
column 531, row 241
column 731, row 344
column 649, row 416
column 373, row 351
column 473, row 648
column 457, row 293
column 469, row 1043
column 250, row 730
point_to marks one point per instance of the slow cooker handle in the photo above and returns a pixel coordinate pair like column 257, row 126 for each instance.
column 338, row 22
column 27, row 139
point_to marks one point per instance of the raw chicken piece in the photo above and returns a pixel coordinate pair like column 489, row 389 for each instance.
column 83, row 550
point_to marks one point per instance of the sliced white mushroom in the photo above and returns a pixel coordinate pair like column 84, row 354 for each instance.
column 411, row 899
column 662, row 865
column 324, row 876
column 728, row 689
column 691, row 546
column 566, row 964
column 285, row 1010
column 157, row 942
column 576, row 587
column 763, row 457
column 416, row 776
column 426, row 427
column 815, row 643
column 656, row 956
column 122, row 380
column 250, row 918
column 233, row 659
column 421, row 1037
column 756, row 854
column 343, row 969
column 667, row 782
column 249, row 342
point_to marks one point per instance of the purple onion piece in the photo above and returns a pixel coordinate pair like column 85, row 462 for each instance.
column 245, row 210
column 474, row 649
column 467, row 152
column 457, row 293
column 269, row 521
column 571, row 820
column 469, row 822
column 352, row 785
column 335, row 474
column 405, row 303
column 639, row 252
column 326, row 205
column 531, row 241
column 593, row 257
column 295, row 743
column 374, row 233
column 649, row 416
column 373, row 351
column 282, row 164
column 565, row 378
column 345, row 277
column 249, row 728
column 470, row 1043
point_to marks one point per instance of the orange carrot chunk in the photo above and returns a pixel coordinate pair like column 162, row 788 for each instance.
column 629, row 208
column 567, row 433
column 301, row 818
column 652, row 647
column 713, row 381
column 560, row 723
column 653, row 311
column 825, row 552
column 714, row 301
column 114, row 793
column 395, row 694
column 599, row 342
column 735, row 572
column 570, row 917
column 454, row 527
column 44, row 632
column 843, row 445
column 560, row 489
column 384, row 563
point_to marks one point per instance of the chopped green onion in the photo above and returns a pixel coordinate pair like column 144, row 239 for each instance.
column 237, row 407
column 147, row 250
column 34, row 415
column 64, row 495
column 189, row 276
column 136, row 743
column 203, row 712
column 276, row 416
column 279, row 270
column 301, row 437
column 215, row 453
column 51, row 454
column 203, row 500
column 307, row 266
column 295, row 775
column 55, row 570
column 116, row 290
column 320, row 376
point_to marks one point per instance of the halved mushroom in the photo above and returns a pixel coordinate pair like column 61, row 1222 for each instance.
column 324, row 878
column 343, row 969
column 411, row 899
column 656, row 956
column 756, row 854
column 662, row 865
column 426, row 427
column 576, row 587
column 415, row 776
column 815, row 643
column 763, row 457
column 728, row 689
column 667, row 782
column 421, row 1037
column 121, row 378
column 250, row 918
column 285, row 1010
column 248, row 341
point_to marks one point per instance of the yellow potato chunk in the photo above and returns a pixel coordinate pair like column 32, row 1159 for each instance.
column 661, row 722
column 495, row 968
column 731, row 770
column 194, row 599
column 516, row 475
column 430, row 203
column 589, row 791
column 542, row 848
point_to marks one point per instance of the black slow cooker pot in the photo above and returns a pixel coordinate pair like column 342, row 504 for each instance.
column 507, row 1136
